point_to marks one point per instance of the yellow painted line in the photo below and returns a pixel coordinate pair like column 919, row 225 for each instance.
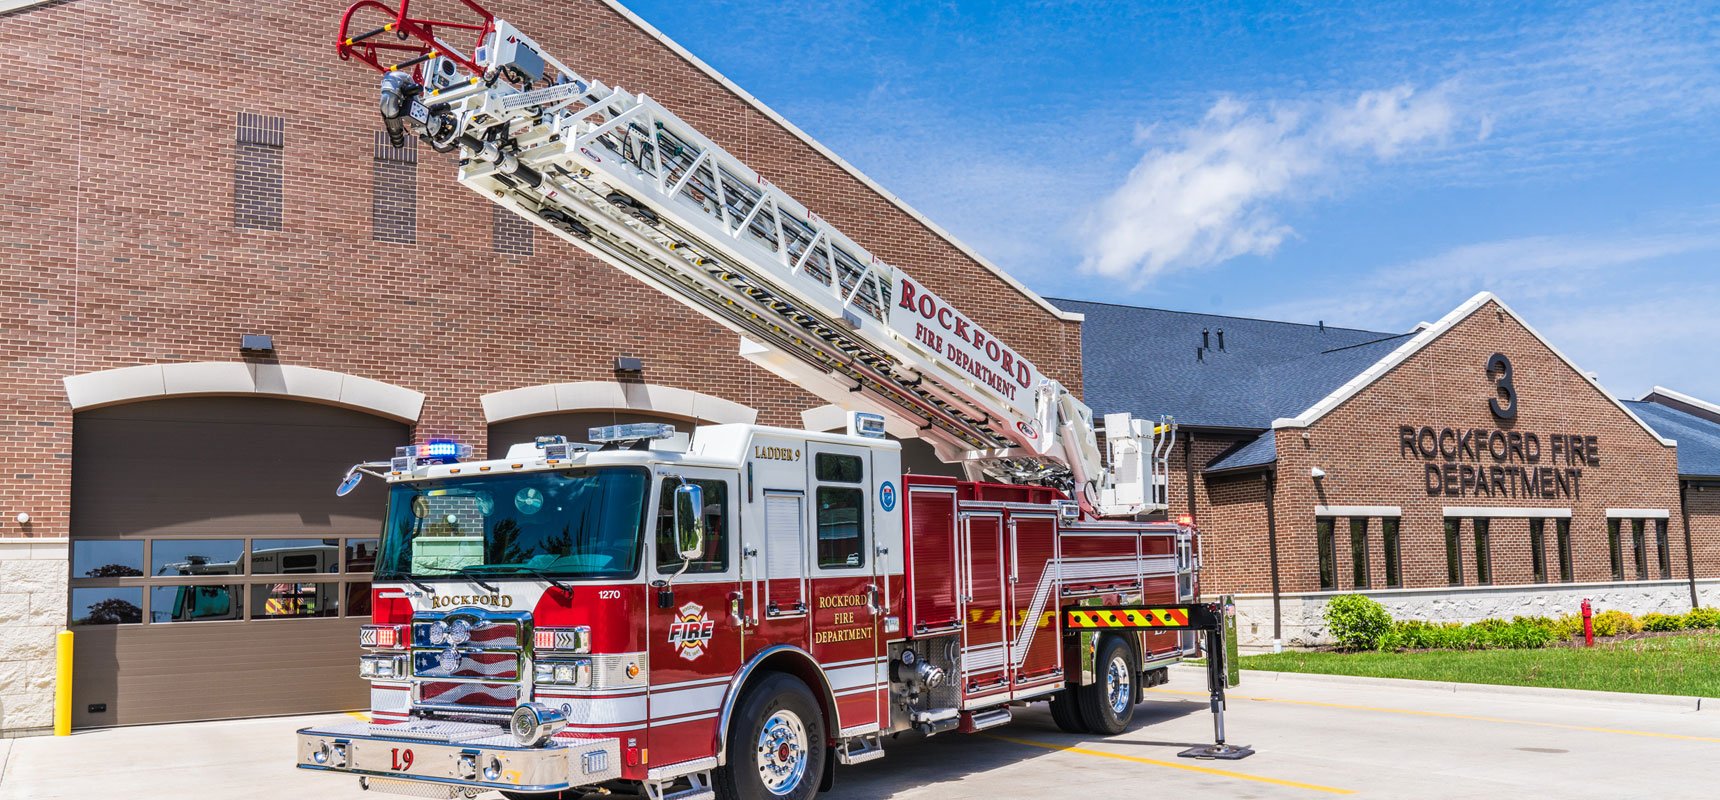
column 1444, row 715
column 358, row 715
column 1222, row 773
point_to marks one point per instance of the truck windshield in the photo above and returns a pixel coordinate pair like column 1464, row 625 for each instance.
column 582, row 523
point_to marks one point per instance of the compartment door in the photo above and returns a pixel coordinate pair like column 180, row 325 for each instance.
column 1034, row 656
column 985, row 657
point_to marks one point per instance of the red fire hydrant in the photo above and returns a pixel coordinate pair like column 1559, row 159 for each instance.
column 1588, row 624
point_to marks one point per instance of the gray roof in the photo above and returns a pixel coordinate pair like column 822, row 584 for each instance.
column 1698, row 438
column 1143, row 361
column 1256, row 452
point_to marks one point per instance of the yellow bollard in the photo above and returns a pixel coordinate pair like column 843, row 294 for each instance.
column 63, row 684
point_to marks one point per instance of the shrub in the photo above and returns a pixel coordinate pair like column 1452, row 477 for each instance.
column 1662, row 622
column 1567, row 627
column 1615, row 623
column 1357, row 622
column 1702, row 618
column 1524, row 633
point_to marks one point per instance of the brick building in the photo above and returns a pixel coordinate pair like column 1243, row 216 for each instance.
column 181, row 175
column 1463, row 470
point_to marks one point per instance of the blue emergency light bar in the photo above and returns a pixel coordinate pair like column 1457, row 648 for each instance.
column 433, row 451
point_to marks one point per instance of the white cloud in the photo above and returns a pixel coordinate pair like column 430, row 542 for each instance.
column 1210, row 195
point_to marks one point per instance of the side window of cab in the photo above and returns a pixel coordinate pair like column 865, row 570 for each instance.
column 841, row 510
column 715, row 559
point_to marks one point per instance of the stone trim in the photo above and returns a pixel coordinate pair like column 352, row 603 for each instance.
column 1329, row 593
column 552, row 398
column 33, row 602
column 155, row 381
column 1494, row 512
column 1637, row 513
column 1358, row 511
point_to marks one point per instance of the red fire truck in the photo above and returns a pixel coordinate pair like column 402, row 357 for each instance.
column 732, row 611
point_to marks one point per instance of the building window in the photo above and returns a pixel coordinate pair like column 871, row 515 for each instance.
column 1615, row 549
column 394, row 192
column 1328, row 558
column 1453, row 551
column 1562, row 527
column 257, row 172
column 1359, row 552
column 509, row 232
column 177, row 579
column 1394, row 563
column 1538, row 549
column 1639, row 549
column 1662, row 549
column 1483, row 552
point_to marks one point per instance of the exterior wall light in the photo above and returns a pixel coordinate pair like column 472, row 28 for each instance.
column 1317, row 473
column 256, row 343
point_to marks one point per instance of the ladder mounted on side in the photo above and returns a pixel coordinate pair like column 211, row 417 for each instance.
column 1206, row 618
column 624, row 178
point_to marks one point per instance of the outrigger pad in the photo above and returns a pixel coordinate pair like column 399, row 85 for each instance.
column 1221, row 752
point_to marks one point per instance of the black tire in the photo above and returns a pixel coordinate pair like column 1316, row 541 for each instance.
column 1066, row 711
column 1108, row 704
column 779, row 700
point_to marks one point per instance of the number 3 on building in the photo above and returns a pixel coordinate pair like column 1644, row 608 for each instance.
column 1506, row 388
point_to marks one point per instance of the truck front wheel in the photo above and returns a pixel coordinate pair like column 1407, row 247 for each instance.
column 1108, row 704
column 775, row 745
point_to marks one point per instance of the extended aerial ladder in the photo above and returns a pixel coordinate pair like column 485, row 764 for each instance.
column 622, row 177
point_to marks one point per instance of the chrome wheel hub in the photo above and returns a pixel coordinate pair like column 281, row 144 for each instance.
column 782, row 751
column 1119, row 686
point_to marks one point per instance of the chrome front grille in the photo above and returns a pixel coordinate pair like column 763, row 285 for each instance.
column 470, row 659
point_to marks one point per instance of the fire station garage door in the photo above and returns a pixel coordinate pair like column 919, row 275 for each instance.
column 214, row 572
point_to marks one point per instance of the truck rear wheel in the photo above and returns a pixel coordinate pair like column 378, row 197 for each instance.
column 1066, row 711
column 1108, row 704
column 775, row 745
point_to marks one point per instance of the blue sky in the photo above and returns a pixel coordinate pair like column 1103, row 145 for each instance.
column 1369, row 165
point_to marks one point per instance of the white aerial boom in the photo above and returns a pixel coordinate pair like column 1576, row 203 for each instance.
column 622, row 177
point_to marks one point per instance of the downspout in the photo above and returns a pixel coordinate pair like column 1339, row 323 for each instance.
column 1188, row 464
column 1272, row 549
column 1689, row 560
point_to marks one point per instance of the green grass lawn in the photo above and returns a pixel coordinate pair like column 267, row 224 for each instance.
column 1682, row 665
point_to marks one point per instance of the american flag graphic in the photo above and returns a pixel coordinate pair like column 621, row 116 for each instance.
column 465, row 664
column 493, row 695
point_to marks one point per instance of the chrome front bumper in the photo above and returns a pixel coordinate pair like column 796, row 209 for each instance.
column 457, row 755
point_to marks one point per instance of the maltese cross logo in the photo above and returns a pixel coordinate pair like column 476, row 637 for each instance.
column 691, row 631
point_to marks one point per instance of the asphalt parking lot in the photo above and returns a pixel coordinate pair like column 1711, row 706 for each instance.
column 1315, row 739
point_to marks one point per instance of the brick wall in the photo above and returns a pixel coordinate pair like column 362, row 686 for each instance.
column 1446, row 385
column 120, row 149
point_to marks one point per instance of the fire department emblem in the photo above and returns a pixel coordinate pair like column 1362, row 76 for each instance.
column 691, row 632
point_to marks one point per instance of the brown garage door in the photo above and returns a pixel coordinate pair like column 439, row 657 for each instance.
column 214, row 572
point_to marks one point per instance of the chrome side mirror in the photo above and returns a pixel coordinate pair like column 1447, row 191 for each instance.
column 689, row 521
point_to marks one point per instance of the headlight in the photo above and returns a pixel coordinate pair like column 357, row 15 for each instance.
column 534, row 723
column 576, row 672
column 381, row 667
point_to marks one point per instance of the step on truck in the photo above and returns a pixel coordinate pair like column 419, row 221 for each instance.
column 732, row 611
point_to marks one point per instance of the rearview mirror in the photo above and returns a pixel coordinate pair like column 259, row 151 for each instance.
column 689, row 521
column 348, row 483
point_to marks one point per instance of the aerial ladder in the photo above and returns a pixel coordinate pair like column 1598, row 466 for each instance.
column 618, row 175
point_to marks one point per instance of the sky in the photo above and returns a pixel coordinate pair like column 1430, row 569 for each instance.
column 1369, row 165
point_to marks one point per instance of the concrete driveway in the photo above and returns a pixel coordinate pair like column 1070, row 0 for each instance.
column 1315, row 738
